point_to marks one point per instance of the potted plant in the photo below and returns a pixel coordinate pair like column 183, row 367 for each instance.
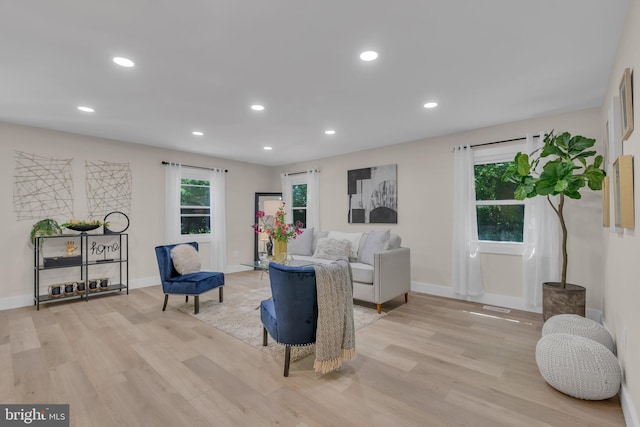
column 45, row 227
column 569, row 167
column 277, row 229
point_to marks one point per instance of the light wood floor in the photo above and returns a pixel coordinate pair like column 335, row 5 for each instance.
column 120, row 361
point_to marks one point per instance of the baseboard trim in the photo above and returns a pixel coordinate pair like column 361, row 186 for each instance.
column 27, row 300
column 629, row 412
column 492, row 299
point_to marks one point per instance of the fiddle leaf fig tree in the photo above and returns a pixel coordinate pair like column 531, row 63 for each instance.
column 569, row 167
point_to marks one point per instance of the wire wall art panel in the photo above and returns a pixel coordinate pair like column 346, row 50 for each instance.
column 109, row 188
column 43, row 187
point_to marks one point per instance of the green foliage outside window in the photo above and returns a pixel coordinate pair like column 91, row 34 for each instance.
column 497, row 222
column 299, row 206
column 195, row 210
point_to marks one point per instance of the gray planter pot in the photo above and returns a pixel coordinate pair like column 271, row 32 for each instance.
column 558, row 300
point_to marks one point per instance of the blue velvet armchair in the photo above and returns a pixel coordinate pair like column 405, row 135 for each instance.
column 290, row 316
column 187, row 284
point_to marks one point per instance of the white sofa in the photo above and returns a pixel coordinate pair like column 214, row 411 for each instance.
column 381, row 276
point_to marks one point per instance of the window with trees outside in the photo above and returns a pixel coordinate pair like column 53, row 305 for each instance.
column 500, row 217
column 195, row 206
column 299, row 204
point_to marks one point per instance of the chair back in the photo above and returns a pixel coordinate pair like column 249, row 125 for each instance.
column 165, row 265
column 293, row 290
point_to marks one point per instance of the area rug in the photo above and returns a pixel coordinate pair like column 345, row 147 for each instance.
column 239, row 316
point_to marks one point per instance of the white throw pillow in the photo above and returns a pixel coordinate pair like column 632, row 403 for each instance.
column 332, row 249
column 377, row 241
column 354, row 238
column 185, row 259
column 301, row 245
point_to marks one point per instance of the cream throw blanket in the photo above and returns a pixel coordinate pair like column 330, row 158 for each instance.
column 335, row 333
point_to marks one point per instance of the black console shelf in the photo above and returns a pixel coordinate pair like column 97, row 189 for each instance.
column 117, row 244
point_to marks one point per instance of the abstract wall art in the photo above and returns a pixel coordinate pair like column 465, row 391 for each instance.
column 43, row 187
column 373, row 195
column 108, row 188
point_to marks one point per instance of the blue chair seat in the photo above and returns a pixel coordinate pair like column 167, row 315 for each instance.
column 194, row 283
column 186, row 284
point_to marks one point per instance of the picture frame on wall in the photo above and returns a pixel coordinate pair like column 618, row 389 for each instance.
column 626, row 103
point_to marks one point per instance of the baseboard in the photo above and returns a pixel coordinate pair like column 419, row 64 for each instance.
column 492, row 299
column 27, row 300
column 237, row 268
column 629, row 412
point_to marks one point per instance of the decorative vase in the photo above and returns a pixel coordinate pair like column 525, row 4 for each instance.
column 280, row 248
column 269, row 246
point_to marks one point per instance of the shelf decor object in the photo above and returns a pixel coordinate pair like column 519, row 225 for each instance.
column 623, row 192
column 116, row 222
column 626, row 103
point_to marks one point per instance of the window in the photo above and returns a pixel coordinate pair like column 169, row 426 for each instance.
column 499, row 216
column 299, row 203
column 195, row 205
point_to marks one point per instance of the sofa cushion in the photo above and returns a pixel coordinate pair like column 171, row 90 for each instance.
column 185, row 259
column 395, row 241
column 362, row 273
column 332, row 249
column 317, row 235
column 354, row 238
column 377, row 241
column 301, row 245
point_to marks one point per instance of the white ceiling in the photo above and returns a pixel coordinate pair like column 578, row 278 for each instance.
column 201, row 64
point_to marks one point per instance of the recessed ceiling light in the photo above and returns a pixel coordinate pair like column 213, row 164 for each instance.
column 197, row 133
column 268, row 148
column 430, row 105
column 368, row 55
column 123, row 62
column 257, row 107
column 86, row 109
column 330, row 132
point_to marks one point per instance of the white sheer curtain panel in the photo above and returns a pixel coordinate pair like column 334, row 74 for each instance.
column 287, row 196
column 466, row 273
column 313, row 199
column 218, row 249
column 541, row 256
column 172, row 181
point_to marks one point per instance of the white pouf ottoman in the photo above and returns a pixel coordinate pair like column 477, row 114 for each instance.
column 578, row 366
column 578, row 325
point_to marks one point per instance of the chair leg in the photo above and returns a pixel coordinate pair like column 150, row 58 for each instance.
column 406, row 297
column 166, row 298
column 186, row 298
column 379, row 306
column 264, row 336
column 220, row 296
column 287, row 359
column 196, row 304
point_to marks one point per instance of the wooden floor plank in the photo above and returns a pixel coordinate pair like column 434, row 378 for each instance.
column 121, row 361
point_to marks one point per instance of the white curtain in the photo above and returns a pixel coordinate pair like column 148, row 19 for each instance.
column 172, row 181
column 466, row 273
column 542, row 234
column 313, row 199
column 218, row 249
column 287, row 196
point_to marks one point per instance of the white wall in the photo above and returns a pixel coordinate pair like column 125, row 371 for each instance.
column 622, row 269
column 425, row 185
column 147, row 216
